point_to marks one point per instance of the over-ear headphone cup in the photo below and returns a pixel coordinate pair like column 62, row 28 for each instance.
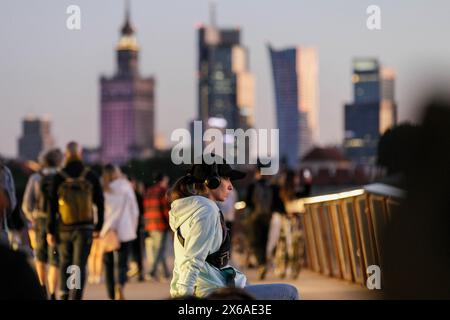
column 213, row 182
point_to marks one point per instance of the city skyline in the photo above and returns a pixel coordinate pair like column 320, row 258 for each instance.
column 46, row 67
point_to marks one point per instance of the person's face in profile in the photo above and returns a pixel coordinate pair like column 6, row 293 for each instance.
column 223, row 191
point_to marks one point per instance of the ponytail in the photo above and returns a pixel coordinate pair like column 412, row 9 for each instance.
column 185, row 187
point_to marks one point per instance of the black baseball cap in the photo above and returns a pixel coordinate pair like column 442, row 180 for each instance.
column 201, row 171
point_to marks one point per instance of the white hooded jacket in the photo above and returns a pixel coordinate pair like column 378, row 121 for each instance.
column 121, row 210
column 199, row 220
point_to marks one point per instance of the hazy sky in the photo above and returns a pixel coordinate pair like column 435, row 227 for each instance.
column 47, row 69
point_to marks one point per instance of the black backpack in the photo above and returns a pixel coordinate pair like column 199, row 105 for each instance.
column 45, row 191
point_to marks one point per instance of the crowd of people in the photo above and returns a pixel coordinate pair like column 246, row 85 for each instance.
column 112, row 228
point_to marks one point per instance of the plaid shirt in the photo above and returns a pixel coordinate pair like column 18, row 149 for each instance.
column 156, row 209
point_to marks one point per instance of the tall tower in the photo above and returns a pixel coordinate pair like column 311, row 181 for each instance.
column 295, row 78
column 127, row 104
column 372, row 112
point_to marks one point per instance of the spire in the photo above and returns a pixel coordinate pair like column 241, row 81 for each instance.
column 212, row 13
column 127, row 29
column 127, row 39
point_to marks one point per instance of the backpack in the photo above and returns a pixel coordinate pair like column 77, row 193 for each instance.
column 45, row 191
column 75, row 199
column 262, row 198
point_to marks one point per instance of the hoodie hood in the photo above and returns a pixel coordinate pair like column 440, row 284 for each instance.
column 120, row 185
column 182, row 209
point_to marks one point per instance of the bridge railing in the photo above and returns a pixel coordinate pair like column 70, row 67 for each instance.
column 343, row 230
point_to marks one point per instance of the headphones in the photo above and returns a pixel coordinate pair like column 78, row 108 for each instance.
column 213, row 181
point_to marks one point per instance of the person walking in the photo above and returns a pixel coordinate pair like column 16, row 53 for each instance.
column 284, row 246
column 9, row 201
column 137, row 247
column 201, row 241
column 259, row 201
column 157, row 225
column 121, row 220
column 36, row 206
column 76, row 189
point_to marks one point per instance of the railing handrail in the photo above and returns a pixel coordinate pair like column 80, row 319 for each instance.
column 385, row 190
column 376, row 188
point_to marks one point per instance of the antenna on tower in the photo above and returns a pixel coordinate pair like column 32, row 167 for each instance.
column 212, row 12
column 127, row 10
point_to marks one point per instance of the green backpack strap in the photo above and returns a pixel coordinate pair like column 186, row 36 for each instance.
column 64, row 174
column 67, row 177
column 84, row 173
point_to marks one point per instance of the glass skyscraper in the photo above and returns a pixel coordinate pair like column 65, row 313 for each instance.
column 225, row 84
column 295, row 78
column 372, row 112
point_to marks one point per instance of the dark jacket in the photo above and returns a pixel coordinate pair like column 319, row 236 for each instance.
column 17, row 277
column 277, row 204
column 7, row 196
column 253, row 204
column 74, row 169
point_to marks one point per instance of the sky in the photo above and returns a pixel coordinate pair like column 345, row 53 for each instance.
column 47, row 69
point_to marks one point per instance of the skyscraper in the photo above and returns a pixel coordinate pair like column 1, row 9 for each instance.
column 388, row 108
column 127, row 105
column 372, row 112
column 36, row 137
column 225, row 85
column 295, row 78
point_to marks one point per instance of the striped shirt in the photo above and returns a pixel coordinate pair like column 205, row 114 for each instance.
column 156, row 209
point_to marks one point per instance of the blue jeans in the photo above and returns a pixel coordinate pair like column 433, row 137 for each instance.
column 159, row 241
column 273, row 291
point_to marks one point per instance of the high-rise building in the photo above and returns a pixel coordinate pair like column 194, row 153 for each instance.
column 388, row 107
column 36, row 137
column 226, row 87
column 127, row 105
column 295, row 77
column 373, row 111
column 225, row 84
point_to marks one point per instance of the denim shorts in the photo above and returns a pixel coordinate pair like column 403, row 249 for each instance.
column 43, row 252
